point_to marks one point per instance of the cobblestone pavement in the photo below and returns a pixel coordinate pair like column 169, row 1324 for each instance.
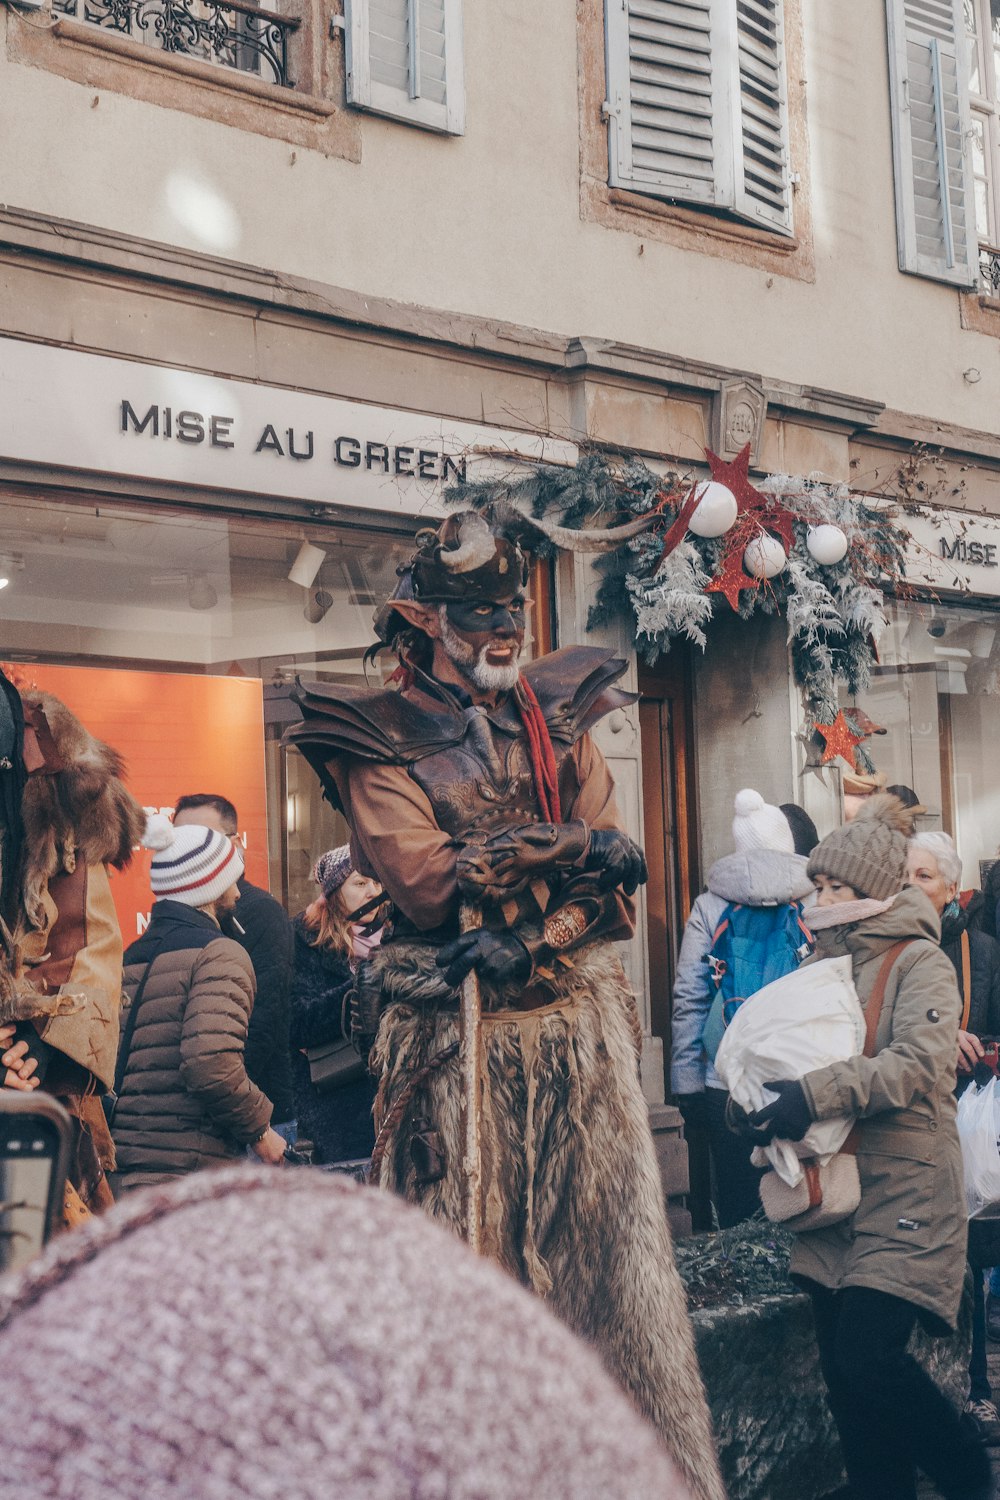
column 928, row 1491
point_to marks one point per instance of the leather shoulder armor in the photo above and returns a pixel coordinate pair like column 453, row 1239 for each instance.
column 371, row 723
column 575, row 688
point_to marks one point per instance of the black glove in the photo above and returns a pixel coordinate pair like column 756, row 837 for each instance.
column 35, row 1047
column 789, row 1117
column 498, row 957
column 617, row 858
column 694, row 1110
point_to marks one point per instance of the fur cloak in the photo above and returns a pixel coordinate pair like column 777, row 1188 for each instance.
column 573, row 1204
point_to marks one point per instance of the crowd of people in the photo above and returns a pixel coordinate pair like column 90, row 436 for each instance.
column 483, row 820
column 889, row 898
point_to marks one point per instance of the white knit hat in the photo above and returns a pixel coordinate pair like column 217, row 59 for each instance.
column 759, row 825
column 191, row 864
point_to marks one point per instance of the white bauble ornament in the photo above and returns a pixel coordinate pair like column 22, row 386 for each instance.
column 716, row 510
column 765, row 557
column 827, row 544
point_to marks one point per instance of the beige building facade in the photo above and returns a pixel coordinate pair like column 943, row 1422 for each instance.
column 354, row 250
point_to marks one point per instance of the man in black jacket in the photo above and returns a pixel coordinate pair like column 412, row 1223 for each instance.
column 260, row 924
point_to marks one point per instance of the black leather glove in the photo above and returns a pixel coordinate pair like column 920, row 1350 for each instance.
column 498, row 957
column 507, row 861
column 617, row 860
column 789, row 1117
column 694, row 1110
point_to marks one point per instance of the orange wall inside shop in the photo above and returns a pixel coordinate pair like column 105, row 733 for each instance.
column 178, row 734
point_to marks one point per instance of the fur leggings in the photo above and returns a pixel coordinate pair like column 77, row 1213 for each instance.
column 573, row 1205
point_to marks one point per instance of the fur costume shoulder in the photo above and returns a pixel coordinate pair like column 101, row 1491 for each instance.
column 574, row 687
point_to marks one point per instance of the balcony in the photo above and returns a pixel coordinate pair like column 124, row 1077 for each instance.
column 989, row 272
column 243, row 38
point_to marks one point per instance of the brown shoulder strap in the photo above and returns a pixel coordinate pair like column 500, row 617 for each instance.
column 966, row 981
column 877, row 995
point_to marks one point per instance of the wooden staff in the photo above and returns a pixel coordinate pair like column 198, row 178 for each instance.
column 470, row 1068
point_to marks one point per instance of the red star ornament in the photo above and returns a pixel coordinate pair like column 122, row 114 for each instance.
column 840, row 741
column 735, row 474
column 732, row 580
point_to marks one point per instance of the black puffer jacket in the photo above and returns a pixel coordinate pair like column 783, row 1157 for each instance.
column 984, row 954
column 267, row 937
column 338, row 1121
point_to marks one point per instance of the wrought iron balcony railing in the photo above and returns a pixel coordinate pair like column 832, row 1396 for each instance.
column 989, row 271
column 228, row 33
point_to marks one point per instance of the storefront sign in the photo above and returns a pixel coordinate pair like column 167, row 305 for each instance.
column 67, row 409
column 953, row 551
column 177, row 733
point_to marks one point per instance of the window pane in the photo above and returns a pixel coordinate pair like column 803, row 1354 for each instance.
column 971, row 30
column 937, row 693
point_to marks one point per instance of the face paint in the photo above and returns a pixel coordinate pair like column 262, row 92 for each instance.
column 484, row 641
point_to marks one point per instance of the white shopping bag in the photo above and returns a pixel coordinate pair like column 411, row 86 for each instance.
column 806, row 1020
column 978, row 1130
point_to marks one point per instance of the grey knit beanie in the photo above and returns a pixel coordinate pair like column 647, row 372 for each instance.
column 332, row 869
column 869, row 854
column 246, row 1333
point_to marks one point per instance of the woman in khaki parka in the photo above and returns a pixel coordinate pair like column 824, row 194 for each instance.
column 900, row 1257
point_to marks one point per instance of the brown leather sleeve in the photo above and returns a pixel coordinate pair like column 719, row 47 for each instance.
column 396, row 840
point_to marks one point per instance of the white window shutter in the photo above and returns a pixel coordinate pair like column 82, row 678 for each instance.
column 404, row 59
column 697, row 105
column 935, row 210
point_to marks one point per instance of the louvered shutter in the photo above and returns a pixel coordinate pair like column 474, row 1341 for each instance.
column 404, row 59
column 935, row 210
column 697, row 104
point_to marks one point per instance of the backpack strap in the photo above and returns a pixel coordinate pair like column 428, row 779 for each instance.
column 718, row 965
column 966, row 981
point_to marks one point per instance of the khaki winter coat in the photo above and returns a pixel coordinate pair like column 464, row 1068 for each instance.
column 186, row 1101
column 908, row 1235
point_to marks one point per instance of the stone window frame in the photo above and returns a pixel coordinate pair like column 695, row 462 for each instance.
column 685, row 227
column 312, row 114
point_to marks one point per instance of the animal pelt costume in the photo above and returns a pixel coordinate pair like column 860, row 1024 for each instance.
column 61, row 955
column 572, row 1192
column 441, row 790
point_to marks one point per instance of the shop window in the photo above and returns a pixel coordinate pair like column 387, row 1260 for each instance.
column 199, row 600
column 404, row 59
column 936, row 692
column 697, row 105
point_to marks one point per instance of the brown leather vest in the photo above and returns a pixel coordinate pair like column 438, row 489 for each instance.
column 485, row 783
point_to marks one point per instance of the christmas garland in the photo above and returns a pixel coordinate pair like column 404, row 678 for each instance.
column 667, row 581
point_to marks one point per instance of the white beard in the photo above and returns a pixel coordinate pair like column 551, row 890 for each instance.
column 487, row 676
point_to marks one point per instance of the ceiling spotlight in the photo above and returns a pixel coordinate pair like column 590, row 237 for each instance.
column 9, row 565
column 317, row 605
column 308, row 561
column 201, row 594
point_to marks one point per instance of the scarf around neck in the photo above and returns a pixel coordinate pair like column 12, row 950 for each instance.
column 846, row 913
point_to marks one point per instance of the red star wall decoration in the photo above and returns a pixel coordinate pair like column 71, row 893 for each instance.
column 732, row 579
column 840, row 740
column 750, row 502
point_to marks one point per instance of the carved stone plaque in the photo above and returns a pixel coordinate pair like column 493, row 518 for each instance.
column 738, row 418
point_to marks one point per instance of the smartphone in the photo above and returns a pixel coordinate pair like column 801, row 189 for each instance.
column 35, row 1135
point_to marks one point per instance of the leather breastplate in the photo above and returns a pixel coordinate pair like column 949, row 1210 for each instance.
column 484, row 783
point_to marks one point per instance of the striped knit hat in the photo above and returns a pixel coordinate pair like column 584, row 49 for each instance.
column 193, row 864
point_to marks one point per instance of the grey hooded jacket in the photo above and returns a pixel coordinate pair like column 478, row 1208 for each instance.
column 764, row 877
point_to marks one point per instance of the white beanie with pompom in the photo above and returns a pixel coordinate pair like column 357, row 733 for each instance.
column 760, row 825
column 191, row 864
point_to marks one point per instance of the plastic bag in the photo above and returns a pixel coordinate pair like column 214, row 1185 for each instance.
column 806, row 1020
column 978, row 1130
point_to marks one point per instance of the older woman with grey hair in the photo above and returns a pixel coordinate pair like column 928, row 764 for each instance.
column 934, row 865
